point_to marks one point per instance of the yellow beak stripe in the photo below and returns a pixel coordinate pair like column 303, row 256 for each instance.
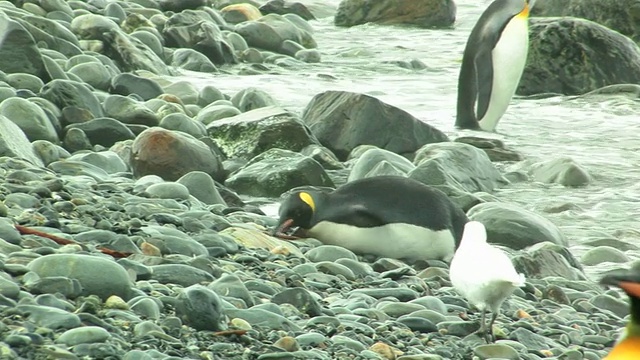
column 308, row 200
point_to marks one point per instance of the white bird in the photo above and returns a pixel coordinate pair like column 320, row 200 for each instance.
column 483, row 274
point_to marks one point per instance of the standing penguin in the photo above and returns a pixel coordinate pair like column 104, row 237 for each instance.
column 492, row 64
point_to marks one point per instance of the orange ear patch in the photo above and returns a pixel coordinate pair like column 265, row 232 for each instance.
column 525, row 12
column 308, row 199
column 631, row 288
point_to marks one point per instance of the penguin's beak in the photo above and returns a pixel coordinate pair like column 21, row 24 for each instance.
column 629, row 283
column 283, row 227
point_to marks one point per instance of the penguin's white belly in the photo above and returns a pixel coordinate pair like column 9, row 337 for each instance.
column 509, row 57
column 398, row 241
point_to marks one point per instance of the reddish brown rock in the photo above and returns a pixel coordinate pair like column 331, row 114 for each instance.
column 170, row 155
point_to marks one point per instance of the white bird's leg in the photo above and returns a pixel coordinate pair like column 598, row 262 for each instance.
column 494, row 316
column 483, row 325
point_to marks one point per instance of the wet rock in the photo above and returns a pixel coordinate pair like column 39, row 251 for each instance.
column 132, row 54
column 495, row 148
column 323, row 156
column 180, row 274
column 202, row 187
column 14, row 143
column 94, row 74
column 65, row 93
column 456, row 168
column 129, row 111
column 422, row 13
column 50, row 317
column 183, row 123
column 200, row 308
column 276, row 171
column 586, row 56
column 376, row 162
column 343, row 120
column 215, row 112
column 546, row 259
column 97, row 275
column 92, row 26
column 496, row 351
column 270, row 31
column 252, row 133
column 621, row 16
column 230, row 285
column 198, row 31
column 83, row 335
column 564, row 171
column 180, row 5
column 251, row 98
column 282, row 7
column 603, row 254
column 189, row 59
column 237, row 13
column 33, row 121
column 104, row 131
column 128, row 83
column 18, row 50
column 515, row 227
column 25, row 81
column 301, row 299
column 171, row 155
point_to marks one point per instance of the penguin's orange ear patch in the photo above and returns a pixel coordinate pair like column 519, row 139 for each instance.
column 525, row 12
column 308, row 199
column 631, row 288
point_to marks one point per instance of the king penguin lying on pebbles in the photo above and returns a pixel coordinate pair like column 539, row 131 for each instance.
column 492, row 64
column 628, row 345
column 483, row 274
column 387, row 216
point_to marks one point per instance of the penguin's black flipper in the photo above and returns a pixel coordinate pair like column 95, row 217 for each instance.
column 356, row 215
column 484, row 73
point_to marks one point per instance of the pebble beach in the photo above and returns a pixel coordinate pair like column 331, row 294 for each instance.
column 137, row 198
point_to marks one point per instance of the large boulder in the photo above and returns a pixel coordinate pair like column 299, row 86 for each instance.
column 275, row 171
column 546, row 259
column 18, row 50
column 14, row 143
column 456, row 168
column 376, row 162
column 515, row 227
column 172, row 154
column 69, row 93
column 250, row 134
column 198, row 31
column 562, row 170
column 97, row 275
column 131, row 54
column 342, row 120
column 33, row 121
column 586, row 56
column 422, row 13
column 271, row 31
column 622, row 16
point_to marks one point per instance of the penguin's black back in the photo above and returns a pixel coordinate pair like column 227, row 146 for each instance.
column 382, row 200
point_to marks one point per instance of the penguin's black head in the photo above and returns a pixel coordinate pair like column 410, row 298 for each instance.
column 627, row 281
column 296, row 211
